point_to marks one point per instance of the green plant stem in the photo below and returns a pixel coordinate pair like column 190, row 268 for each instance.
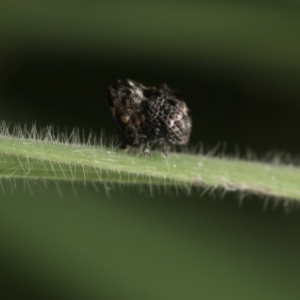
column 40, row 159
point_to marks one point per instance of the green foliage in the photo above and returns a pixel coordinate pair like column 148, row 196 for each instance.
column 107, row 244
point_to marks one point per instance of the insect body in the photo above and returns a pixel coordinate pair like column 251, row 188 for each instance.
column 144, row 115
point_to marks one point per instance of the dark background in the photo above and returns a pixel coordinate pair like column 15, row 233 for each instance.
column 237, row 65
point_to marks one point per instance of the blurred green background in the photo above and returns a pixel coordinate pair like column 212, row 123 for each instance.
column 237, row 64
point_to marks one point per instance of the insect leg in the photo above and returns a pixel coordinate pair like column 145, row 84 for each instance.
column 163, row 147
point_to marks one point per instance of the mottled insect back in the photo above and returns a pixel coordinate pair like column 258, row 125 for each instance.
column 145, row 115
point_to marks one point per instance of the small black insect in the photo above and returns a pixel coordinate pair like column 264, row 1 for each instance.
column 144, row 115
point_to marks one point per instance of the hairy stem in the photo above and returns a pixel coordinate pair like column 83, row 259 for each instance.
column 33, row 155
